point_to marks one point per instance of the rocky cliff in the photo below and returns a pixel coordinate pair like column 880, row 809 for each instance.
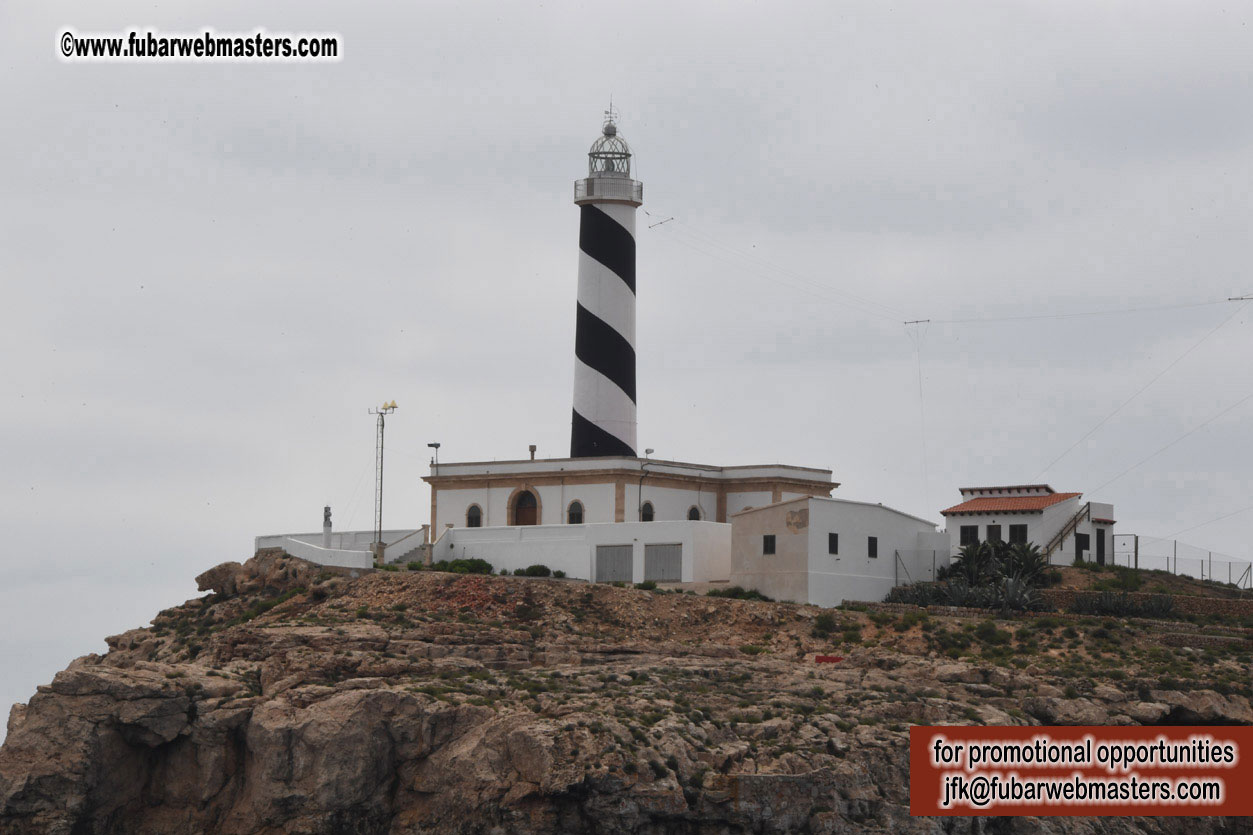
column 296, row 700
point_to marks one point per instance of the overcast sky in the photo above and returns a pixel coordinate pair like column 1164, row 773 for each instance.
column 211, row 272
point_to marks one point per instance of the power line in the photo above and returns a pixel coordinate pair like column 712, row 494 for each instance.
column 699, row 248
column 1141, row 390
column 916, row 337
column 1082, row 313
column 1212, row 521
column 685, row 235
column 1191, row 431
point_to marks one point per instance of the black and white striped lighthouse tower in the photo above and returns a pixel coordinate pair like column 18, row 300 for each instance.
column 604, row 335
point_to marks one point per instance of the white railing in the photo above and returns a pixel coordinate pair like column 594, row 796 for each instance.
column 609, row 188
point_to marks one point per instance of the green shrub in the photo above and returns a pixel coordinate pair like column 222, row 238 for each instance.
column 1124, row 579
column 414, row 566
column 988, row 633
column 1121, row 604
column 559, row 573
column 919, row 594
column 473, row 565
column 824, row 625
column 647, row 585
column 752, row 649
column 737, row 593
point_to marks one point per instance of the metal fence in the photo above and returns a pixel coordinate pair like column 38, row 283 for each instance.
column 1156, row 554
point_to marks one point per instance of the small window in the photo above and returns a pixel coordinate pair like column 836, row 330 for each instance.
column 969, row 535
column 833, row 543
column 1018, row 534
column 474, row 517
column 767, row 544
column 646, row 512
column 994, row 533
column 872, row 547
column 574, row 516
column 693, row 514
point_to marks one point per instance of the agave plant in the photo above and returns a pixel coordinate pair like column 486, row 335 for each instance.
column 1017, row 593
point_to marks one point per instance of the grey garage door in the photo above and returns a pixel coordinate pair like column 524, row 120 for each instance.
column 663, row 563
column 614, row 563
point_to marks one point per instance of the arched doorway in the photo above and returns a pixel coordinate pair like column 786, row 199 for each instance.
column 525, row 509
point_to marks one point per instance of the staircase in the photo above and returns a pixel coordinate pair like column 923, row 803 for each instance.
column 415, row 554
column 1056, row 542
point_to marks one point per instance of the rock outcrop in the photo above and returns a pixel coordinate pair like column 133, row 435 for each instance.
column 297, row 700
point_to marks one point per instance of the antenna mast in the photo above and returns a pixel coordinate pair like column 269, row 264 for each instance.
column 382, row 412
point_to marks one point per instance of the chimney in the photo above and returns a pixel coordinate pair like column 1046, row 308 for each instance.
column 326, row 526
column 532, row 449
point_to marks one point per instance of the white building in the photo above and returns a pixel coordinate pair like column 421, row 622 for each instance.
column 629, row 519
column 824, row 551
column 1064, row 526
column 563, row 491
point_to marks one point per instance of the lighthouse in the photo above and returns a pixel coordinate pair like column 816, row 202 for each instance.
column 603, row 422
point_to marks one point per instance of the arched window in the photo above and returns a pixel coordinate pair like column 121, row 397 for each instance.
column 474, row 517
column 574, row 515
column 525, row 509
column 693, row 513
column 646, row 512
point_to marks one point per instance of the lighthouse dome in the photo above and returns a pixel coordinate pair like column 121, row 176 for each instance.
column 610, row 155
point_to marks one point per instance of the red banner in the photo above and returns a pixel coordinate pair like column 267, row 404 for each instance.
column 1081, row 770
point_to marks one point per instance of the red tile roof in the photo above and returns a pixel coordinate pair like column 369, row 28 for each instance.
column 1008, row 504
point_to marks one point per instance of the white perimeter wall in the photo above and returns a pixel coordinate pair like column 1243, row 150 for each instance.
column 316, row 553
column 572, row 548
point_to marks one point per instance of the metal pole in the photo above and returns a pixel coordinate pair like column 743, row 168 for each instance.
column 1137, row 550
column 378, row 493
column 1175, row 570
column 383, row 410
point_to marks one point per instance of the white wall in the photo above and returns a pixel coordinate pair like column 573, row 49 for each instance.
column 853, row 574
column 572, row 548
column 350, row 549
column 597, row 499
column 802, row 569
column 783, row 575
column 322, row 556
column 670, row 503
column 739, row 501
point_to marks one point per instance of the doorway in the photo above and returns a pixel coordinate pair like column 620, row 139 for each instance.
column 525, row 509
